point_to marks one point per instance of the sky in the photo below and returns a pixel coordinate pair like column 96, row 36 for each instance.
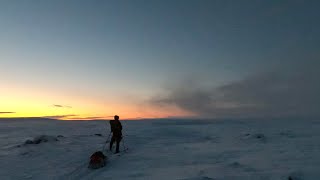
column 155, row 59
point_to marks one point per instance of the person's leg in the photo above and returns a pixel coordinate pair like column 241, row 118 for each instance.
column 111, row 143
column 118, row 144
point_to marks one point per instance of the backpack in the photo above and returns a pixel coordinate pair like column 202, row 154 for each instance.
column 115, row 126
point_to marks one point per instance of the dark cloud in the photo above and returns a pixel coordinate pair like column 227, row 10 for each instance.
column 90, row 118
column 293, row 93
column 76, row 117
column 65, row 116
column 61, row 106
column 4, row 112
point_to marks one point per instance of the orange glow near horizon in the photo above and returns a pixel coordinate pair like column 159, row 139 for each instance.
column 36, row 103
column 97, row 113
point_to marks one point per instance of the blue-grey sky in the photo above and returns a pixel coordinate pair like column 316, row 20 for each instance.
column 113, row 51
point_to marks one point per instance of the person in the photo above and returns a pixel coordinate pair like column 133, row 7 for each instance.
column 116, row 129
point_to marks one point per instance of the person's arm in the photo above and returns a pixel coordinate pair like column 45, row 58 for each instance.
column 111, row 126
column 120, row 125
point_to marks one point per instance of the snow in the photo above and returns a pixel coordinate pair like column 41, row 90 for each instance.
column 163, row 149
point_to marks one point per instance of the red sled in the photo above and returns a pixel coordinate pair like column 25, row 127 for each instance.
column 97, row 160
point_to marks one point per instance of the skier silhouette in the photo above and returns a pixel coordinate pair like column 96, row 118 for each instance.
column 116, row 129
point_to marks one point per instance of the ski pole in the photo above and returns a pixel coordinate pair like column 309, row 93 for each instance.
column 125, row 148
column 108, row 139
column 109, row 136
column 104, row 146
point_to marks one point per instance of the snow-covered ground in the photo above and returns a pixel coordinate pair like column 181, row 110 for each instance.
column 164, row 149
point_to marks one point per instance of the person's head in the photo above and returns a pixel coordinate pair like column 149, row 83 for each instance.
column 116, row 117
